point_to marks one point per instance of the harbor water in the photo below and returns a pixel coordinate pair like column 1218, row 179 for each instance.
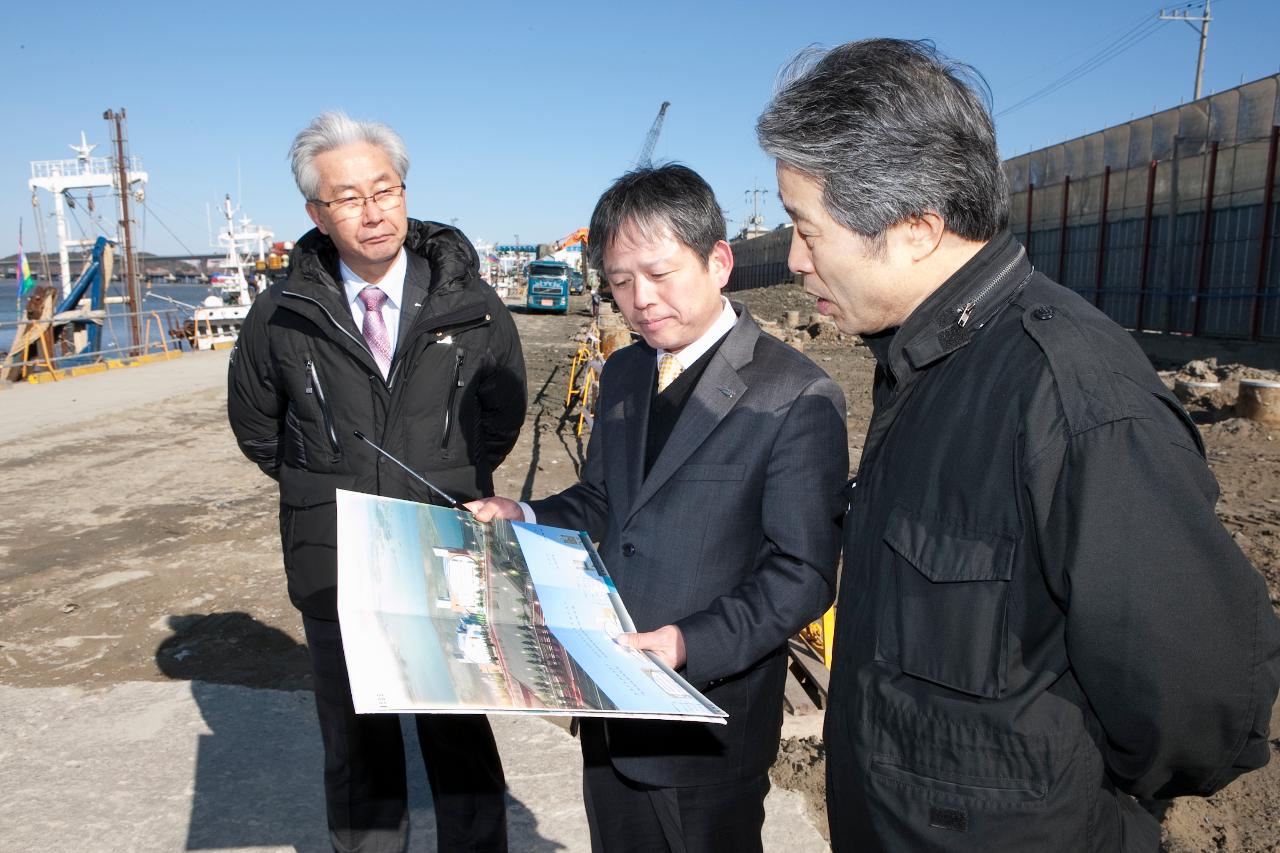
column 115, row 331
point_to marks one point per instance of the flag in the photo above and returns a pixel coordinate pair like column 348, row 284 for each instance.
column 25, row 280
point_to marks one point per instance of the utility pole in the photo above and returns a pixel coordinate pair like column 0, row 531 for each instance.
column 756, row 221
column 1203, row 21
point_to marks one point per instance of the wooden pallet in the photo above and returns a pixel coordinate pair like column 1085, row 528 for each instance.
column 795, row 699
column 810, row 676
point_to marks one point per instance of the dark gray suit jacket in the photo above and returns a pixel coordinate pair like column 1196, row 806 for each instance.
column 733, row 537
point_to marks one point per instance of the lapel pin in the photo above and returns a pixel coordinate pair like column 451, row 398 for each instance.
column 723, row 390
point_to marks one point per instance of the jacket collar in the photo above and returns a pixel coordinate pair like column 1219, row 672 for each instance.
column 950, row 316
column 450, row 257
column 441, row 263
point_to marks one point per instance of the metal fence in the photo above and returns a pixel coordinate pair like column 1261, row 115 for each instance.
column 53, row 354
column 1168, row 222
column 761, row 261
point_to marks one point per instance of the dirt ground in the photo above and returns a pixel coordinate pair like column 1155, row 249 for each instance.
column 143, row 547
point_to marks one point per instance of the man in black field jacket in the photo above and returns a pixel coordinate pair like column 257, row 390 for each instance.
column 383, row 326
column 1040, row 617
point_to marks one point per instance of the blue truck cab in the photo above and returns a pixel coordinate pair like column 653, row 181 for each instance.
column 548, row 288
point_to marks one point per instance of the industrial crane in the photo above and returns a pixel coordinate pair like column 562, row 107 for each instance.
column 578, row 236
column 644, row 158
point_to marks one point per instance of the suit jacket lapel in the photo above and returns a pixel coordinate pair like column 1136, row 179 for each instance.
column 718, row 390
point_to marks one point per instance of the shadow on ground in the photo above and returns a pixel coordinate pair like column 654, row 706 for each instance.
column 259, row 771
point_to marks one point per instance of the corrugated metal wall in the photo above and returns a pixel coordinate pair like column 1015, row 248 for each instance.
column 761, row 261
column 1159, row 222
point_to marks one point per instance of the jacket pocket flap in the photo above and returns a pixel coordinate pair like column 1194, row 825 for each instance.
column 299, row 488
column 945, row 552
column 729, row 471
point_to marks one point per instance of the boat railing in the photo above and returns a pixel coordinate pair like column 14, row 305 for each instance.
column 44, row 349
column 76, row 166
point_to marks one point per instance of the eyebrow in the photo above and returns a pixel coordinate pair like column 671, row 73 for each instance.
column 352, row 187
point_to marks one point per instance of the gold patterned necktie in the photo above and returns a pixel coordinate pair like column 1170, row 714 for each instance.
column 669, row 367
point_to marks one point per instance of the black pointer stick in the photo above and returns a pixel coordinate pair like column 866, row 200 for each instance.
column 432, row 486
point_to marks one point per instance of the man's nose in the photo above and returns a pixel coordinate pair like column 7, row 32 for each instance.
column 643, row 292
column 370, row 213
column 798, row 259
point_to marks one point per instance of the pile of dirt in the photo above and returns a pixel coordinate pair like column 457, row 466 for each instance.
column 1208, row 369
column 1209, row 389
column 801, row 767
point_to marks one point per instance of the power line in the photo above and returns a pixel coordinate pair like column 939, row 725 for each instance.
column 1110, row 51
column 1027, row 79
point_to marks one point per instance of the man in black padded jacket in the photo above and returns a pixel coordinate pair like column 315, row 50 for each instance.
column 383, row 326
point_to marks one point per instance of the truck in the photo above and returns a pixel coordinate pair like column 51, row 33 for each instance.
column 548, row 288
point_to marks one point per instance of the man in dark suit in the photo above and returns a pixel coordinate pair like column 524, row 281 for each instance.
column 384, row 326
column 712, row 483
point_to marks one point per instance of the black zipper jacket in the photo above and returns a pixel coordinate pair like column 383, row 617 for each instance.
column 1040, row 612
column 302, row 380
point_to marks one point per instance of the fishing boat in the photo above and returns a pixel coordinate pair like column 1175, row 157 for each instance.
column 216, row 322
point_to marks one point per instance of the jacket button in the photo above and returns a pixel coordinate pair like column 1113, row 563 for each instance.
column 1044, row 312
column 628, row 549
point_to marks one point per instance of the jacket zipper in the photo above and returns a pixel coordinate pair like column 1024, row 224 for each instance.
column 453, row 393
column 359, row 341
column 966, row 310
column 313, row 381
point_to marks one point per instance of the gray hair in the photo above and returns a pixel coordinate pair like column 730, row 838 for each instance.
column 890, row 129
column 334, row 129
column 653, row 200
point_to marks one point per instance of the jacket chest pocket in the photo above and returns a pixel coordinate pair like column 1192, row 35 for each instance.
column 948, row 621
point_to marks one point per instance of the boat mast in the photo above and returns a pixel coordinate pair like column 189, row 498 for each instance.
column 132, row 297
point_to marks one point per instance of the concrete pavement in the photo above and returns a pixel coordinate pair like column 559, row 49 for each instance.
column 149, row 767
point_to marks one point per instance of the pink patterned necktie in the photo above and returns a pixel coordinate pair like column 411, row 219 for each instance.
column 375, row 327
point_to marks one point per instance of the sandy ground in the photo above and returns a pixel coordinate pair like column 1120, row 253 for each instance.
column 140, row 547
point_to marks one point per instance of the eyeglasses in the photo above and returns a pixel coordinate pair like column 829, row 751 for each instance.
column 352, row 206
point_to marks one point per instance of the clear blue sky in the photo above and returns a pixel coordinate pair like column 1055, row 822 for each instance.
column 517, row 115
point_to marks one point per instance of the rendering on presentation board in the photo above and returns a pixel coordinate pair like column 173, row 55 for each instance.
column 443, row 613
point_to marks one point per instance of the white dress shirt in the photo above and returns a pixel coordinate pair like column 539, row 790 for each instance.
column 707, row 340
column 392, row 284
column 687, row 356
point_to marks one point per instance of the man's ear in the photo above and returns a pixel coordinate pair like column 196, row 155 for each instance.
column 924, row 234
column 314, row 212
column 720, row 262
